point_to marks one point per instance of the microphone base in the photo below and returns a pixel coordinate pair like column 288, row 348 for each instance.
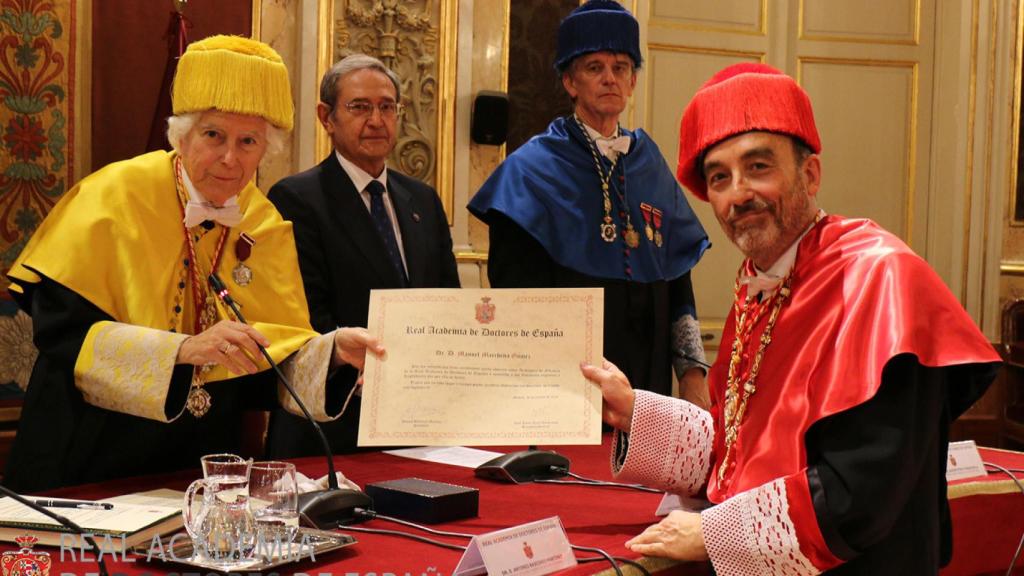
column 525, row 466
column 327, row 509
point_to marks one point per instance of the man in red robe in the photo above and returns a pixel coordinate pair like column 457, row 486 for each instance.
column 844, row 360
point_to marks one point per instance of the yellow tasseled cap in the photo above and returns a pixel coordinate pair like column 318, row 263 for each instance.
column 234, row 74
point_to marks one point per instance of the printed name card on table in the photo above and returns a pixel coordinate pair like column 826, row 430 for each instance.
column 532, row 549
column 964, row 461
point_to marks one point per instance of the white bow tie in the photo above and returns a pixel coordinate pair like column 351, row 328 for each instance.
column 618, row 144
column 197, row 212
column 757, row 285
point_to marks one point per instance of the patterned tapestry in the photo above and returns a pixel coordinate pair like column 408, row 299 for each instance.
column 37, row 57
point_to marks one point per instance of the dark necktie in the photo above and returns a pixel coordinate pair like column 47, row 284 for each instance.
column 384, row 227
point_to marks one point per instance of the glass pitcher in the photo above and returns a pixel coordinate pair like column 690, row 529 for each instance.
column 223, row 530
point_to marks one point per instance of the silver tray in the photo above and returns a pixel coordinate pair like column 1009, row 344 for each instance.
column 308, row 544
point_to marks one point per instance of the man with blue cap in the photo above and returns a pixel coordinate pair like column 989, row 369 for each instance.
column 590, row 204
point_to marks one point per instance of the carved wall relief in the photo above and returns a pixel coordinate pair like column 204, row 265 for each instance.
column 416, row 39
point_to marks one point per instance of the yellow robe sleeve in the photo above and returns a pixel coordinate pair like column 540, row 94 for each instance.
column 127, row 369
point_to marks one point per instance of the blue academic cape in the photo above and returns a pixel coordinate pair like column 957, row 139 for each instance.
column 550, row 188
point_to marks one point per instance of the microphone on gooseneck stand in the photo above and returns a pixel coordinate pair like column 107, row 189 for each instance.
column 324, row 509
column 75, row 528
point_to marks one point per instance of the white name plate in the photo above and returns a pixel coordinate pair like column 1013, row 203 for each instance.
column 532, row 549
column 963, row 461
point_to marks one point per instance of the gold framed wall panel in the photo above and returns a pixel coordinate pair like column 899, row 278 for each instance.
column 1013, row 187
column 490, row 66
column 257, row 18
column 666, row 94
column 663, row 14
column 832, row 97
column 972, row 101
column 418, row 40
column 989, row 130
column 848, row 10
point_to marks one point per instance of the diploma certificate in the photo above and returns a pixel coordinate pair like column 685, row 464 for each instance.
column 483, row 367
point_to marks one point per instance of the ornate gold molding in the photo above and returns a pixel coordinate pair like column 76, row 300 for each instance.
column 703, row 50
column 914, row 40
column 972, row 99
column 506, row 42
column 911, row 181
column 324, row 60
column 1011, row 268
column 989, row 123
column 420, row 44
column 257, row 18
column 447, row 66
column 1015, row 115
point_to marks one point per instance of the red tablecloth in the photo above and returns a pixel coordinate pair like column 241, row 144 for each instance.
column 593, row 516
column 988, row 517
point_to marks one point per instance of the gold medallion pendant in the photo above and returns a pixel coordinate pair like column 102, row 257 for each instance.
column 645, row 211
column 242, row 274
column 198, row 402
column 632, row 237
column 608, row 232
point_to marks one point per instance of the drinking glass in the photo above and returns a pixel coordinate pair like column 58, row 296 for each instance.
column 273, row 498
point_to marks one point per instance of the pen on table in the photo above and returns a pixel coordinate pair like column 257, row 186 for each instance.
column 75, row 504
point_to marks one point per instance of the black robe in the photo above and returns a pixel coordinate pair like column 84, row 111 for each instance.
column 62, row 440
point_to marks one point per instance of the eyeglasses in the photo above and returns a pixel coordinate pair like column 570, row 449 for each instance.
column 362, row 108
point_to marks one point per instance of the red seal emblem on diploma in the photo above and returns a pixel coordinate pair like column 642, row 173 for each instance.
column 25, row 562
column 485, row 310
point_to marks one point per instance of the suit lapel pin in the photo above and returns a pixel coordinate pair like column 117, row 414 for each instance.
column 242, row 274
column 415, row 217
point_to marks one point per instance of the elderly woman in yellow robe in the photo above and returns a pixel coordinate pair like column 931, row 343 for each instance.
column 141, row 368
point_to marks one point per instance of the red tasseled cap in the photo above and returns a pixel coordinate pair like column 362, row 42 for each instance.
column 741, row 98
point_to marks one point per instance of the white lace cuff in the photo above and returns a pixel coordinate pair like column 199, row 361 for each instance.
column 669, row 445
column 752, row 534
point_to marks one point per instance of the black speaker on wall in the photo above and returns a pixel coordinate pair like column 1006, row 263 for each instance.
column 490, row 118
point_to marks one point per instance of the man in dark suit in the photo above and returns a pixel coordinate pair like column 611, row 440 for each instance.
column 358, row 226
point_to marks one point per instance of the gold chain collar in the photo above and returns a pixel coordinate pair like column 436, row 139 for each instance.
column 608, row 231
column 199, row 400
column 747, row 314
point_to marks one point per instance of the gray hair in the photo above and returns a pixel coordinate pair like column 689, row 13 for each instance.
column 348, row 65
column 179, row 125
